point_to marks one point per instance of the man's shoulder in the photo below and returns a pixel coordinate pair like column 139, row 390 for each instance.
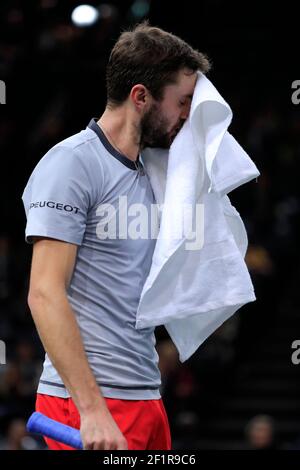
column 77, row 149
column 74, row 155
column 78, row 141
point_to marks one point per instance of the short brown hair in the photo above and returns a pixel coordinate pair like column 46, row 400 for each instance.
column 150, row 56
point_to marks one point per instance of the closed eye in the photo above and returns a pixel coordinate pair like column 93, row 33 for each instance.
column 184, row 102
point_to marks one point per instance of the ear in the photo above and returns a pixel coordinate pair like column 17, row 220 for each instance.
column 140, row 96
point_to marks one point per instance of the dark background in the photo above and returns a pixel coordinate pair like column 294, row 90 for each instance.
column 55, row 80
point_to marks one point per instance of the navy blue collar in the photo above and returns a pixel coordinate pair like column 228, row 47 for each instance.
column 114, row 152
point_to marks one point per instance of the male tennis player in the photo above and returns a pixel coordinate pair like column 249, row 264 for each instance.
column 100, row 373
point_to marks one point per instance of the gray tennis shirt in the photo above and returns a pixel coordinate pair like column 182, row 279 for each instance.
column 64, row 200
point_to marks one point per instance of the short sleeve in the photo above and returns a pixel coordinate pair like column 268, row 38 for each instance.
column 58, row 196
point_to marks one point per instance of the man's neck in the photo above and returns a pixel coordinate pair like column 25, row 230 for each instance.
column 121, row 131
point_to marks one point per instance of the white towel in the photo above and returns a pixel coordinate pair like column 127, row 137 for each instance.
column 194, row 285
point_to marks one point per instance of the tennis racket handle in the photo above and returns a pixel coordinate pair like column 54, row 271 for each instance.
column 41, row 424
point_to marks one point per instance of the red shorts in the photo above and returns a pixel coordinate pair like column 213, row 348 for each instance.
column 144, row 423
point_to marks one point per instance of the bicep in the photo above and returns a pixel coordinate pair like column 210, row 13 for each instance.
column 52, row 265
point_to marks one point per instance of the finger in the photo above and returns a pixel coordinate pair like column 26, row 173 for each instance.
column 87, row 446
column 123, row 445
column 100, row 445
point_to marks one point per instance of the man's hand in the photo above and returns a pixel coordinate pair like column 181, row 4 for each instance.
column 99, row 431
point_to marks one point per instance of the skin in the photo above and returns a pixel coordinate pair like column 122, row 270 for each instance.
column 140, row 121
column 261, row 435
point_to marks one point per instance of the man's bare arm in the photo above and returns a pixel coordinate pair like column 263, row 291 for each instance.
column 51, row 271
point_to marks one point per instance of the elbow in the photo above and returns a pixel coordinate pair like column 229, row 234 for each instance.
column 36, row 297
column 44, row 293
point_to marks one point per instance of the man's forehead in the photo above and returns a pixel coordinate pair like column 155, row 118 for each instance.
column 186, row 83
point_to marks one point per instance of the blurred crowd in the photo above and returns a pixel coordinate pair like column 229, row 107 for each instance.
column 54, row 73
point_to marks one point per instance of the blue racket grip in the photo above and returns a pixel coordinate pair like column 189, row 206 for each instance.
column 41, row 424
